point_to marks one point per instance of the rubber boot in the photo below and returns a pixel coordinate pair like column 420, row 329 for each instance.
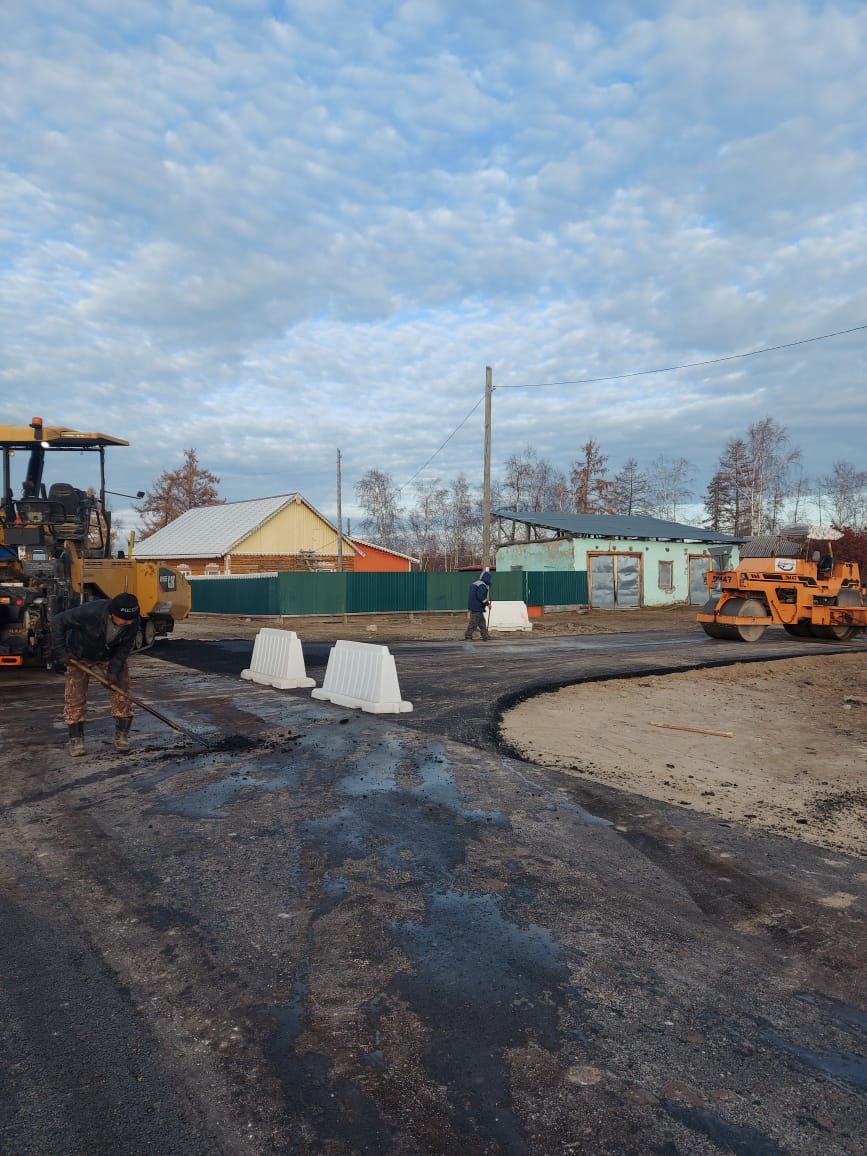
column 76, row 739
column 121, row 734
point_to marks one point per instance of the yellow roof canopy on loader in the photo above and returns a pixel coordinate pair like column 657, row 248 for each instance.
column 24, row 437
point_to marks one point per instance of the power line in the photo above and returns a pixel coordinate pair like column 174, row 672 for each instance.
column 635, row 373
column 686, row 365
column 445, row 443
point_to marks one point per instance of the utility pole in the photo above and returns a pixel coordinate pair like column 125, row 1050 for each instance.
column 486, row 494
column 339, row 521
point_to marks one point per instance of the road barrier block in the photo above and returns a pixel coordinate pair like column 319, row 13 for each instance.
column 509, row 616
column 360, row 674
column 278, row 660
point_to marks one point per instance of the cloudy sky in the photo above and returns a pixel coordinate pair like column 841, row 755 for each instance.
column 269, row 229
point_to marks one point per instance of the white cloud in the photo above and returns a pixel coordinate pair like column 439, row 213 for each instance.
column 266, row 230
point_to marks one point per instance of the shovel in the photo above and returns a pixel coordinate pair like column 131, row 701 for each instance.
column 138, row 702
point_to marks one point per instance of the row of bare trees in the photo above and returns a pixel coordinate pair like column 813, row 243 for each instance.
column 758, row 485
column 442, row 525
column 529, row 483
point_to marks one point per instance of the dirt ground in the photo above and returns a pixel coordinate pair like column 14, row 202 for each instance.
column 790, row 756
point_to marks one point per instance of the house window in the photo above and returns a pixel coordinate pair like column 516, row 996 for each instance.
column 666, row 576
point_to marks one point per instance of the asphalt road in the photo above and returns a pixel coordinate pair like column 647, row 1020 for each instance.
column 334, row 932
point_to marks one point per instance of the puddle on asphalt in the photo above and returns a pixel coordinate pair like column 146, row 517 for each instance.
column 339, row 1108
column 482, row 986
column 851, row 1019
column 422, row 829
column 736, row 1139
column 841, row 1066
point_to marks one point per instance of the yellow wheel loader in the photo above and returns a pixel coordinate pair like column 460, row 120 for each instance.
column 56, row 545
column 786, row 580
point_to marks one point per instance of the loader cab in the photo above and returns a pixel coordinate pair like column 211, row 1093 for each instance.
column 62, row 512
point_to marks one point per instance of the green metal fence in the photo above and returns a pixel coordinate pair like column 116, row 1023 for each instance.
column 555, row 588
column 348, row 593
column 308, row 593
column 250, row 595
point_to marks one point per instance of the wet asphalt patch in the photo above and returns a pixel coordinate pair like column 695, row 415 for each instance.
column 483, row 985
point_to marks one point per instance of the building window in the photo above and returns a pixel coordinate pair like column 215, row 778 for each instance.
column 666, row 576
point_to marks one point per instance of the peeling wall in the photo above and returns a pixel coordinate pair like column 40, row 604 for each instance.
column 578, row 554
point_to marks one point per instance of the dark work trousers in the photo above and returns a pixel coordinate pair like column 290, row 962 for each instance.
column 477, row 622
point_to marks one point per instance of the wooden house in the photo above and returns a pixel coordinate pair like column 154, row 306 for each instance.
column 250, row 537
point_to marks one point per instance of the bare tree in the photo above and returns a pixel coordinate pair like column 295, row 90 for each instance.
column 748, row 490
column 670, row 485
column 846, row 488
column 427, row 521
column 799, row 492
column 532, row 484
column 174, row 492
column 379, row 498
column 769, row 466
column 559, row 495
column 630, row 490
column 463, row 537
column 589, row 484
column 516, row 483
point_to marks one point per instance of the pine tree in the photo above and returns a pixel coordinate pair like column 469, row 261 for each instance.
column 176, row 491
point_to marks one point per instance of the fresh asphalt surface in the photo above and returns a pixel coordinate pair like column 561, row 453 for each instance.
column 338, row 932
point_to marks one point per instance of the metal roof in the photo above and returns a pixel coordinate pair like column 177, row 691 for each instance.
column 360, row 543
column 615, row 526
column 212, row 531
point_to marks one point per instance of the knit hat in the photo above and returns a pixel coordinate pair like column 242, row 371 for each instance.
column 124, row 606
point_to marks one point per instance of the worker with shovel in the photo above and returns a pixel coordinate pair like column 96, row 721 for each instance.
column 102, row 634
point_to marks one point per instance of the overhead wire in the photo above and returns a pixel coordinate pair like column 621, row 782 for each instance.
column 636, row 373
column 686, row 364
column 445, row 443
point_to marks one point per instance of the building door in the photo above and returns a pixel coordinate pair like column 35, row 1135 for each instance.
column 615, row 581
column 699, row 564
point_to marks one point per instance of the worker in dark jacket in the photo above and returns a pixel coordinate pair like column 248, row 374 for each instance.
column 102, row 634
column 478, row 602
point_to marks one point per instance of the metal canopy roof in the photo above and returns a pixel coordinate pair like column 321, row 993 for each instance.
column 25, row 437
column 616, row 526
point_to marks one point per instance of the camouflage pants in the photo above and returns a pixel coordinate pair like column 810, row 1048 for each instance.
column 75, row 694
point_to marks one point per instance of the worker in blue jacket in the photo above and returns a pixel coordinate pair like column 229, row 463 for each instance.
column 478, row 601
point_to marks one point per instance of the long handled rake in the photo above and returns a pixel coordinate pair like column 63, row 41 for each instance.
column 138, row 702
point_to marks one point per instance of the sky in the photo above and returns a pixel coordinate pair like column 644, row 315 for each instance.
column 268, row 230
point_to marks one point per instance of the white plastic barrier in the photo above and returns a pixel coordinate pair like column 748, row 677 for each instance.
column 509, row 616
column 362, row 675
column 278, row 660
